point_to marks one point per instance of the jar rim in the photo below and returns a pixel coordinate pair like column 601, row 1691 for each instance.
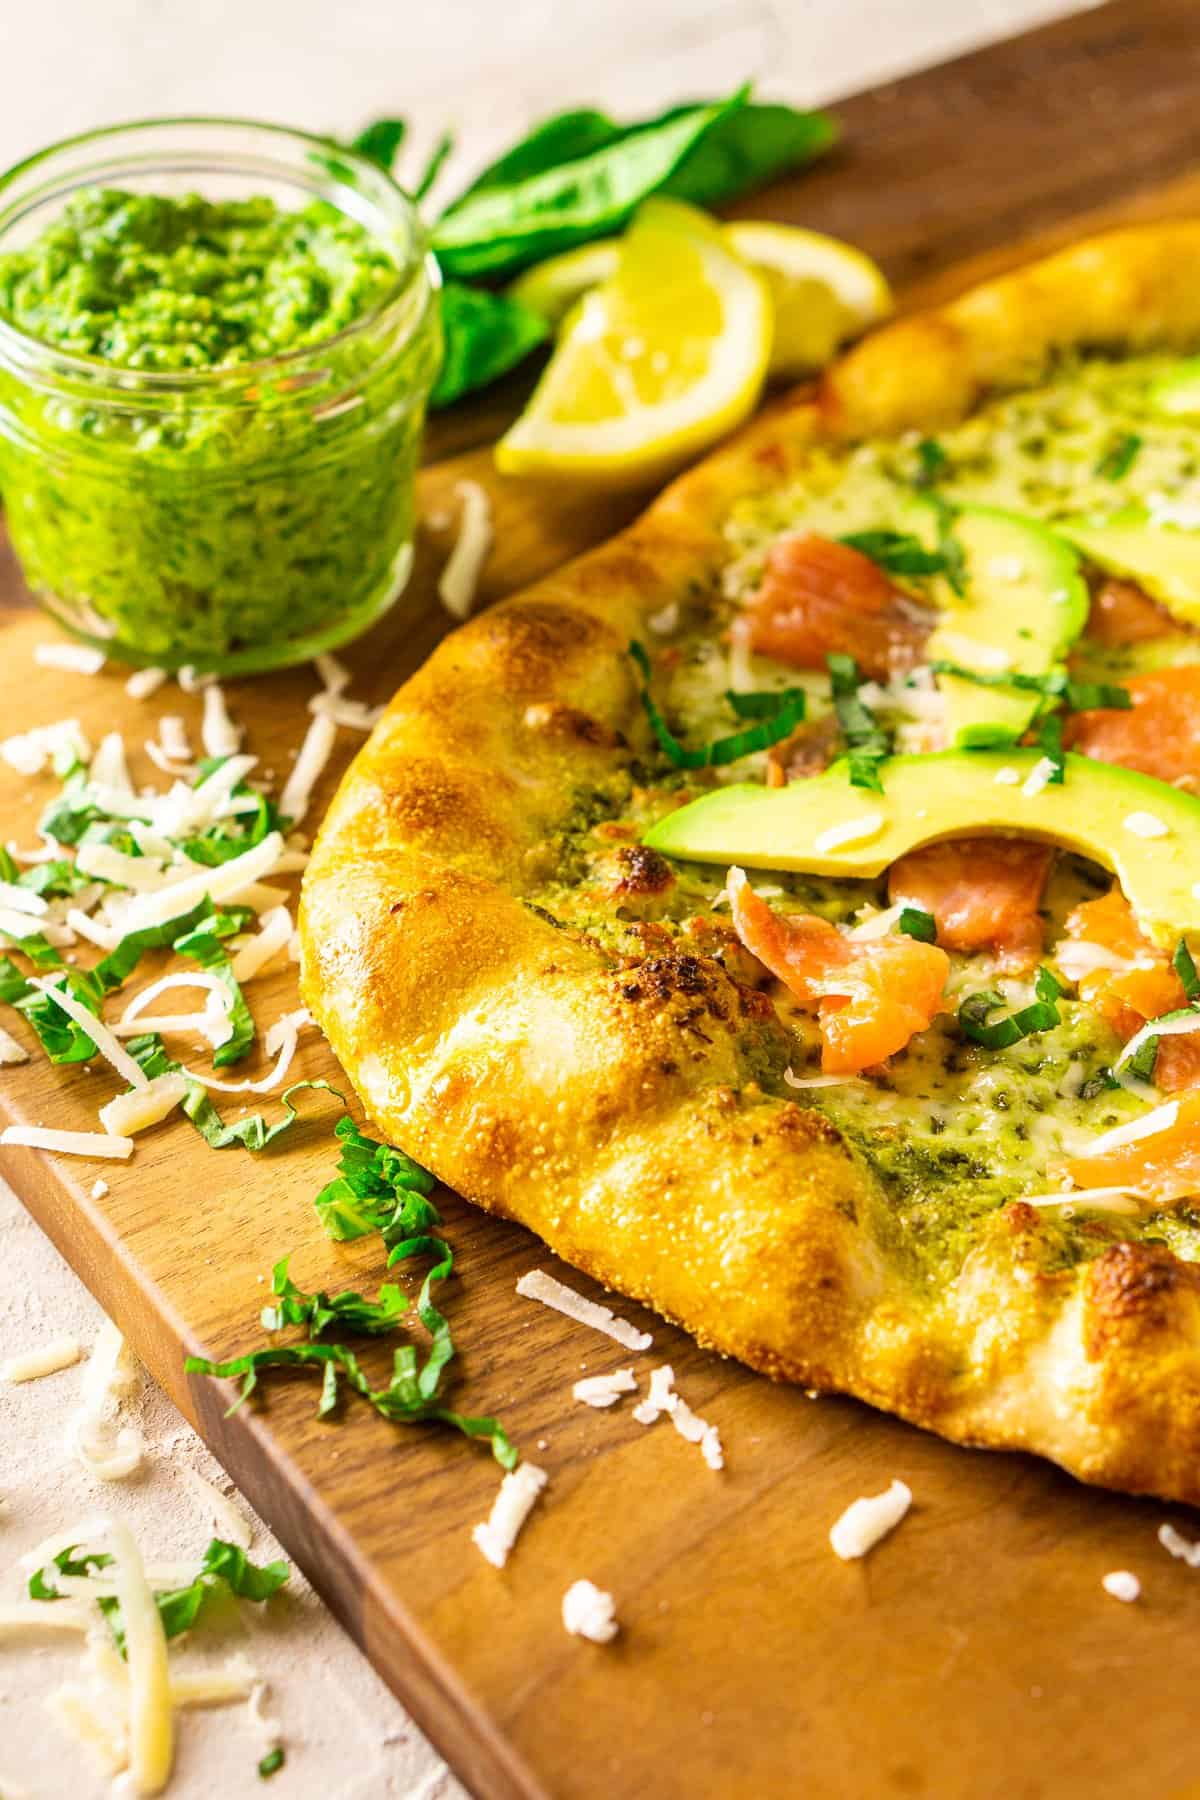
column 421, row 266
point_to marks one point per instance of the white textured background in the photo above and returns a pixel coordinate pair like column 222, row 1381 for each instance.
column 483, row 67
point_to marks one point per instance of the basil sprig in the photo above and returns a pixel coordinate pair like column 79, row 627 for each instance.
column 867, row 743
column 914, row 922
column 898, row 552
column 485, row 335
column 1055, row 685
column 777, row 714
column 975, row 1021
column 1120, row 457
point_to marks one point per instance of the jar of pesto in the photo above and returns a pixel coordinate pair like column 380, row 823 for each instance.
column 216, row 343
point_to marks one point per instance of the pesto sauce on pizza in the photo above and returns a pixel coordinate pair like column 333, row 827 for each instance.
column 949, row 1129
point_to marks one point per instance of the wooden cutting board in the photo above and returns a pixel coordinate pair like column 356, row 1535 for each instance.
column 974, row 1654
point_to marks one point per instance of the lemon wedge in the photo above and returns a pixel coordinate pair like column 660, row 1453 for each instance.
column 655, row 364
column 824, row 291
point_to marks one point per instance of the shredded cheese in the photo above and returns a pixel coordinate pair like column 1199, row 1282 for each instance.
column 221, row 883
column 110, row 1375
column 11, row 1052
column 332, row 673
column 868, row 1520
column 67, row 1143
column 819, row 1081
column 1160, row 1119
column 65, row 1615
column 89, row 1721
column 107, row 1045
column 172, row 735
column 72, row 659
column 213, row 1024
column 662, row 1398
column 144, row 682
column 218, row 733
column 22, row 900
column 1040, row 776
column 537, row 1285
column 605, row 1390
column 281, row 1042
column 142, row 874
column 459, row 579
column 510, row 1509
column 274, row 936
column 193, row 680
column 61, row 1353
column 588, row 1612
column 355, row 715
column 144, row 1106
column 315, row 752
column 30, row 751
column 229, row 1521
column 151, row 1727
column 1122, row 1585
column 1177, row 1545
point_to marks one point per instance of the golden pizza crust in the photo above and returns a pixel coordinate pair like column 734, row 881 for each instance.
column 614, row 1111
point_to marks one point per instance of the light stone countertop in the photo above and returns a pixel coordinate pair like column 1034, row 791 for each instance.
column 66, row 66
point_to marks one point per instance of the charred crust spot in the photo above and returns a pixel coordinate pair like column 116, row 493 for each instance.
column 642, row 871
column 1131, row 1285
column 805, row 1125
column 533, row 640
column 572, row 725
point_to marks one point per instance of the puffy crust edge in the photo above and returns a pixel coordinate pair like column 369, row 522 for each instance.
column 619, row 1118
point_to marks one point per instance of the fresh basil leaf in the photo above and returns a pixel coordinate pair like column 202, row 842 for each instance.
column 380, row 141
column 434, row 163
column 53, row 880
column 40, row 952
column 252, row 1132
column 931, row 463
column 179, row 1608
column 1185, row 967
column 497, row 230
column 317, row 1312
column 1050, row 743
column 789, row 714
column 367, row 1193
column 271, row 1763
column 897, row 552
column 954, row 560
column 13, row 985
column 974, row 1015
column 1120, row 457
column 565, row 138
column 867, row 744
column 747, row 149
column 1055, row 684
column 915, row 923
column 484, row 335
column 60, row 1037
column 68, row 815
column 765, row 704
column 67, row 1562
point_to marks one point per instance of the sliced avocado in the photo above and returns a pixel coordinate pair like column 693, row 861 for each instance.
column 1024, row 605
column 1161, row 558
column 1145, row 831
column 1178, row 394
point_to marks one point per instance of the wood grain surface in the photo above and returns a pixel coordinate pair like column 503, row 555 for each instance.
column 975, row 1653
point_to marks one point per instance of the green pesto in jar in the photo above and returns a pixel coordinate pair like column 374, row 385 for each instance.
column 234, row 524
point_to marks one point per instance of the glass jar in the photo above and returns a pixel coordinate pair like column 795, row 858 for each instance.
column 236, row 518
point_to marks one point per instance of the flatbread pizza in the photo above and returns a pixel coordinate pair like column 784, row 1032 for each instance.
column 788, row 909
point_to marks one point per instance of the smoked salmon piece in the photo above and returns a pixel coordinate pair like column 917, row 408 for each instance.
column 1164, row 1166
column 984, row 893
column 1159, row 735
column 1143, row 987
column 819, row 596
column 1121, row 613
column 870, row 995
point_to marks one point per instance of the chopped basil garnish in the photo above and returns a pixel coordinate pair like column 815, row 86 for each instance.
column 379, row 1189
column 1120, row 457
column 224, row 1565
column 1185, row 968
column 1050, row 743
column 915, row 923
column 897, row 552
column 867, row 744
column 271, row 1762
column 931, row 463
column 974, row 1015
column 1055, row 684
column 787, row 711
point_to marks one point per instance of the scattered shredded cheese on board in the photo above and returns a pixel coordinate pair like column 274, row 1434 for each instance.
column 537, row 1285
column 512, row 1506
column 868, row 1520
column 588, row 1612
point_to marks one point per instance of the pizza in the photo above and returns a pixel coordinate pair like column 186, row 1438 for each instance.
column 784, row 909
